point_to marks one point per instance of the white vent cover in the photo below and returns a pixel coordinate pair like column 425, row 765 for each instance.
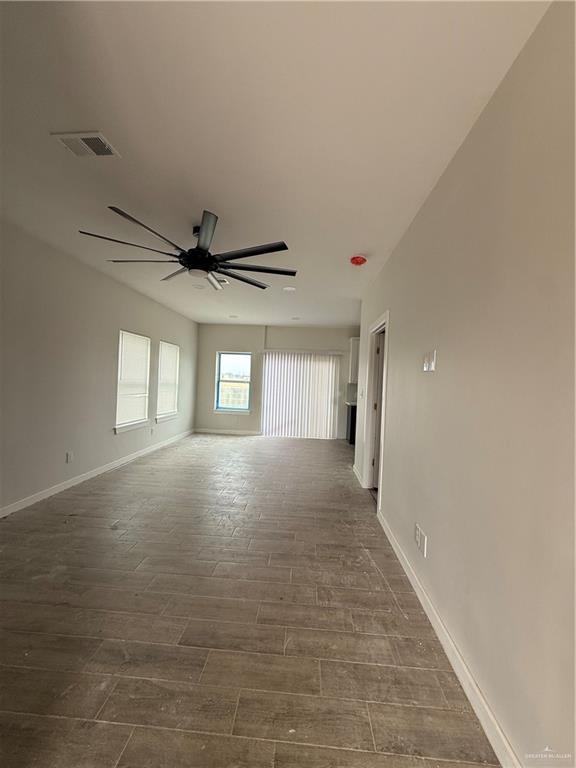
column 86, row 144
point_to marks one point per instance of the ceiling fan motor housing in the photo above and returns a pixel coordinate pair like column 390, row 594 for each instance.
column 197, row 260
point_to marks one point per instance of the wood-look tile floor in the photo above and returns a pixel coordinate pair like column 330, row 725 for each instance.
column 224, row 602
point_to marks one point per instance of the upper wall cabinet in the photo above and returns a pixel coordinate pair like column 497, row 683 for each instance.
column 353, row 361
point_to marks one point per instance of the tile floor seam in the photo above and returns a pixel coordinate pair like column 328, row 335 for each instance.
column 273, row 692
column 209, row 651
column 138, row 614
column 112, row 689
column 128, row 740
column 178, row 641
column 240, row 736
column 371, row 727
column 203, row 666
column 51, row 716
column 235, row 712
column 384, row 579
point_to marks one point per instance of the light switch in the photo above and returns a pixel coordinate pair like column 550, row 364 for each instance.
column 429, row 364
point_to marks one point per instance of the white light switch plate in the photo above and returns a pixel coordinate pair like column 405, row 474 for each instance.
column 429, row 365
column 421, row 540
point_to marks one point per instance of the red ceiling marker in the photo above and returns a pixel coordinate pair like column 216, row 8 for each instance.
column 358, row 259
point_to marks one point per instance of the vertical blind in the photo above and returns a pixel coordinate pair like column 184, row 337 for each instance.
column 300, row 395
column 168, row 365
column 133, row 367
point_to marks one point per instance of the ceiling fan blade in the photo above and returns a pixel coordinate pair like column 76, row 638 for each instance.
column 241, row 278
column 267, row 270
column 214, row 282
column 127, row 216
column 175, row 274
column 141, row 261
column 125, row 242
column 207, row 228
column 257, row 250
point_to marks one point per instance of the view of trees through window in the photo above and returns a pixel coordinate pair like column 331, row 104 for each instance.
column 233, row 390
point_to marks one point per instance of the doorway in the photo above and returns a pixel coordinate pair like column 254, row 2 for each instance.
column 378, row 367
column 375, row 412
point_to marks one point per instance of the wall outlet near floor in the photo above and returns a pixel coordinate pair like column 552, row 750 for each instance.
column 421, row 540
column 69, row 457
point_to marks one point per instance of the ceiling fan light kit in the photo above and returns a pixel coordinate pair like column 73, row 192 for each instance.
column 216, row 266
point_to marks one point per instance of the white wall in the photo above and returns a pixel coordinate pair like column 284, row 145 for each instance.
column 227, row 338
column 60, row 324
column 256, row 339
column 480, row 453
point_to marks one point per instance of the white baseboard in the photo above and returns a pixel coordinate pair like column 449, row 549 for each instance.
column 359, row 476
column 26, row 502
column 226, row 432
column 496, row 736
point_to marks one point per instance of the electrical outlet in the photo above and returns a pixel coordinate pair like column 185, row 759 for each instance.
column 421, row 540
column 69, row 457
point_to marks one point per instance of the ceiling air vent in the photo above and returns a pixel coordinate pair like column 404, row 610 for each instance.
column 86, row 144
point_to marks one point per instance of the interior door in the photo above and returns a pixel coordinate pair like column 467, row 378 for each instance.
column 377, row 405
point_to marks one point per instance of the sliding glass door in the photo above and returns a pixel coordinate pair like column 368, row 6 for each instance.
column 300, row 395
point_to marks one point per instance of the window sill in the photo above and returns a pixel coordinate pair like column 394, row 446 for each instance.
column 235, row 411
column 132, row 425
column 167, row 417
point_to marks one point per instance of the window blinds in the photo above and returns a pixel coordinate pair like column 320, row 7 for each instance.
column 300, row 395
column 133, row 367
column 168, row 366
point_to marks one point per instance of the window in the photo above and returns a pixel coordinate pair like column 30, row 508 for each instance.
column 233, row 381
column 168, row 363
column 133, row 379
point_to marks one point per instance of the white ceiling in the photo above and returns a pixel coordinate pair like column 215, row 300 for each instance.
column 323, row 124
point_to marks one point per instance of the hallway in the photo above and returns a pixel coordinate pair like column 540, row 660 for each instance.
column 226, row 601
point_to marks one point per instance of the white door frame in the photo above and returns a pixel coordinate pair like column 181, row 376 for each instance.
column 381, row 324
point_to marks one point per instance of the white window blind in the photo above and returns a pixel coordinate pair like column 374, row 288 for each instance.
column 168, row 367
column 300, row 395
column 133, row 378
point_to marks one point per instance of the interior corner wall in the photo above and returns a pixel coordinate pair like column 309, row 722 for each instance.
column 60, row 325
column 257, row 339
column 480, row 453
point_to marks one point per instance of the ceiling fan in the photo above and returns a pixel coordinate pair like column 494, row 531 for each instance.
column 199, row 259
